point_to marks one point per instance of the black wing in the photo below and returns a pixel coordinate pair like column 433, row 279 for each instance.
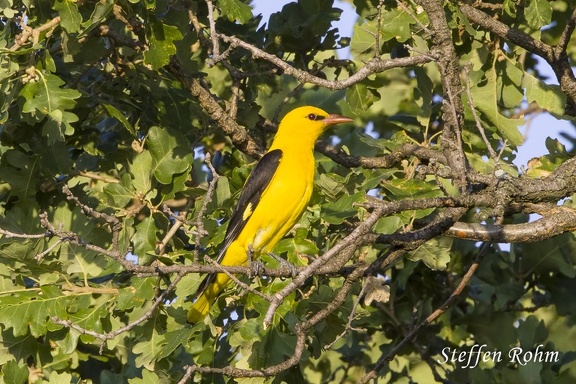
column 250, row 196
column 249, row 199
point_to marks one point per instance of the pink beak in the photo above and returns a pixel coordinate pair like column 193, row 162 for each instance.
column 336, row 119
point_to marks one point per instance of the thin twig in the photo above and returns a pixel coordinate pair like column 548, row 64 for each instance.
column 403, row 6
column 248, row 288
column 493, row 154
column 351, row 317
column 374, row 65
column 41, row 255
column 188, row 372
column 564, row 40
column 113, row 221
column 171, row 232
column 199, row 219
column 213, row 33
column 353, row 239
column 10, row 234
column 378, row 29
column 34, row 33
column 373, row 374
column 111, row 335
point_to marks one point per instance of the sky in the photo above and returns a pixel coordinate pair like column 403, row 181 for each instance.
column 535, row 132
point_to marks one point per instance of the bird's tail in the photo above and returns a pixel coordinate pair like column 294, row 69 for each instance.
column 210, row 289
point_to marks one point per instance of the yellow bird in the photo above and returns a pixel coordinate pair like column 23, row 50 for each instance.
column 272, row 200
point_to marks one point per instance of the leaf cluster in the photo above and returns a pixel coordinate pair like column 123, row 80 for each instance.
column 127, row 130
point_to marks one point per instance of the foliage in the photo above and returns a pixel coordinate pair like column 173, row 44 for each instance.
column 109, row 110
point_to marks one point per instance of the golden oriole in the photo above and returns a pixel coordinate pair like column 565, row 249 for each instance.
column 272, row 200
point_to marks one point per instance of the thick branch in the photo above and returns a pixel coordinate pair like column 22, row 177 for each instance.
column 452, row 109
column 208, row 102
column 556, row 222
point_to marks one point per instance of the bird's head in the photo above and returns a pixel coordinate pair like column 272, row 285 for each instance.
column 306, row 124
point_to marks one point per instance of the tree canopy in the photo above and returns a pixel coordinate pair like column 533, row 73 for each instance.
column 127, row 130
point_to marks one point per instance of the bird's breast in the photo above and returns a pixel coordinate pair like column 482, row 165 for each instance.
column 283, row 202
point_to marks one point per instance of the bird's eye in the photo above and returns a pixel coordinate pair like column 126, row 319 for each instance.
column 315, row 117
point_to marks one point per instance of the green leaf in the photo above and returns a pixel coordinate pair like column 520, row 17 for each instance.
column 161, row 39
column 70, row 17
column 388, row 225
column 411, row 189
column 531, row 331
column 20, row 170
column 551, row 255
column 338, row 211
column 434, row 253
column 19, row 348
column 101, row 10
column 171, row 154
column 538, row 13
column 395, row 23
column 141, row 170
column 6, row 8
column 145, row 237
column 173, row 340
column 423, row 94
column 60, row 378
column 363, row 44
column 47, row 97
column 148, row 377
column 135, row 295
column 360, row 97
column 222, row 192
column 236, row 10
column 147, row 351
column 303, row 244
column 12, row 373
column 485, row 99
column 115, row 113
column 118, row 195
column 32, row 308
column 548, row 97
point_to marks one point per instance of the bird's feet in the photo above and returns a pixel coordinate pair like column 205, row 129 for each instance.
column 285, row 264
column 256, row 266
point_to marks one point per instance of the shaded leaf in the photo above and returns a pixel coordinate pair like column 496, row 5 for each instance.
column 161, row 38
column 170, row 153
column 435, row 253
column 68, row 12
column 360, row 97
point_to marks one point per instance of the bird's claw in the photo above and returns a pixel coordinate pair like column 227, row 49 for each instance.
column 285, row 264
column 256, row 269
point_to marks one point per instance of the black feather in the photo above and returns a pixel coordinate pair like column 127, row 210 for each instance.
column 249, row 197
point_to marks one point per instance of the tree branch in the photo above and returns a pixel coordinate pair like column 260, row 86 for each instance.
column 452, row 108
column 208, row 102
column 373, row 374
column 372, row 66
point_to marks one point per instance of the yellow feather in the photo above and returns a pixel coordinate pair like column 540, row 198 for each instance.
column 283, row 201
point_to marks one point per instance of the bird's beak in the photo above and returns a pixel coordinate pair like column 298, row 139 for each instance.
column 336, row 119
